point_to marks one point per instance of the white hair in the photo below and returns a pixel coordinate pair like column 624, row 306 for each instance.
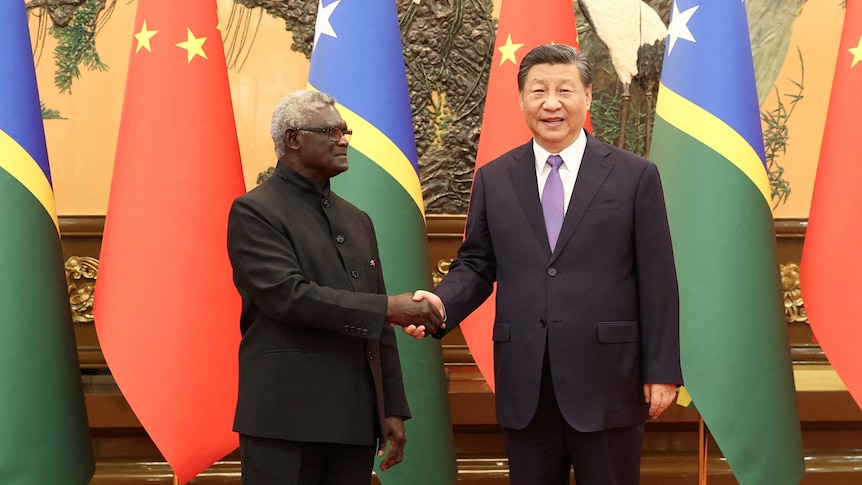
column 292, row 112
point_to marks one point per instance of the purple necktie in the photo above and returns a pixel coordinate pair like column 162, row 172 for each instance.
column 552, row 201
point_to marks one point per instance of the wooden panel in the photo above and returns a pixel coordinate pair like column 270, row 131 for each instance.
column 831, row 420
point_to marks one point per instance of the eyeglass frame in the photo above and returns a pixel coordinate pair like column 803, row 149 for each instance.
column 330, row 130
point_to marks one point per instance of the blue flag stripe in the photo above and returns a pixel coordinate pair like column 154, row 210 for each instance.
column 18, row 86
column 364, row 69
column 718, row 90
column 23, row 153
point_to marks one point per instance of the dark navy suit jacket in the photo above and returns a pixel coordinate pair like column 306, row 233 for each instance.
column 605, row 302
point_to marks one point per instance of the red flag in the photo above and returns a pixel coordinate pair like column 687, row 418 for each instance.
column 523, row 25
column 166, row 308
column 831, row 269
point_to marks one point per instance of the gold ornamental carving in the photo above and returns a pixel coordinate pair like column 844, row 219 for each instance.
column 441, row 271
column 81, row 272
column 794, row 306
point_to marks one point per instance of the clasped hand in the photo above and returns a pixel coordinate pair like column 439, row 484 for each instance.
column 417, row 316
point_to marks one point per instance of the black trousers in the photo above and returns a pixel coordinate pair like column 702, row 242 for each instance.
column 548, row 448
column 281, row 462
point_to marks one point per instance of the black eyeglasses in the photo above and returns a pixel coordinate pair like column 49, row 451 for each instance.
column 335, row 133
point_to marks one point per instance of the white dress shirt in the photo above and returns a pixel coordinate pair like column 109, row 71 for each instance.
column 572, row 156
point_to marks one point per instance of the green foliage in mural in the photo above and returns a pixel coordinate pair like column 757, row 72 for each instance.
column 50, row 114
column 76, row 42
column 606, row 116
column 776, row 136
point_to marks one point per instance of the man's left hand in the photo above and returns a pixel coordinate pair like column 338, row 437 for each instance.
column 659, row 397
column 394, row 435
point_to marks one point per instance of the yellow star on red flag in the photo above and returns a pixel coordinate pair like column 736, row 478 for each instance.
column 508, row 50
column 194, row 46
column 857, row 53
column 143, row 37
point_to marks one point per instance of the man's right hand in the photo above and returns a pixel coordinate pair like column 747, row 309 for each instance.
column 406, row 312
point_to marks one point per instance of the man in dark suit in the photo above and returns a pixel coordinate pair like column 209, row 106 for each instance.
column 319, row 374
column 586, row 334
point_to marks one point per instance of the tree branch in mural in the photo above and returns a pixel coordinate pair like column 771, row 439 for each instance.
column 50, row 114
column 75, row 24
column 776, row 134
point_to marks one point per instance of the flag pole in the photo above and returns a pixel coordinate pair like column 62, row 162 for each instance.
column 176, row 480
column 701, row 450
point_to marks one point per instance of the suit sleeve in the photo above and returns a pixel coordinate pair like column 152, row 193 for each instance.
column 471, row 276
column 657, row 283
column 267, row 270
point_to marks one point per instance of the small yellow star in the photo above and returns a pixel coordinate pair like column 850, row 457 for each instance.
column 194, row 46
column 144, row 37
column 508, row 51
column 857, row 53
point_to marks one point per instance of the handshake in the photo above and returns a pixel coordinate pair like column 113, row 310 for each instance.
column 419, row 315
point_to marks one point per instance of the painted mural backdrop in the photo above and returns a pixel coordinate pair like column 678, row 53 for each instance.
column 81, row 48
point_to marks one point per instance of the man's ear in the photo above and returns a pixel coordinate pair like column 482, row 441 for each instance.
column 291, row 139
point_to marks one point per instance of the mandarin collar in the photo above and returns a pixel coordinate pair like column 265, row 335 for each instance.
column 293, row 177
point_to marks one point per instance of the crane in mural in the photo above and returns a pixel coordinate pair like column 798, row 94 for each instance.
column 627, row 28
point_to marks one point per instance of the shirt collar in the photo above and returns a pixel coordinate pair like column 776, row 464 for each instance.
column 571, row 155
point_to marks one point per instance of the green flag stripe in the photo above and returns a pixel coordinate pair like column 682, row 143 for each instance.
column 735, row 356
column 44, row 438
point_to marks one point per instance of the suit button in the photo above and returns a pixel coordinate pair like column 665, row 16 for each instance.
column 339, row 239
column 369, row 356
column 364, row 331
column 326, row 203
column 543, row 323
column 355, row 274
column 552, row 272
column 347, row 328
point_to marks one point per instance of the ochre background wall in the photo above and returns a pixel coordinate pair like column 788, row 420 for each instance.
column 81, row 147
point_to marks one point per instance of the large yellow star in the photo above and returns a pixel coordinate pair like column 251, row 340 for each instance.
column 508, row 51
column 857, row 53
column 144, row 37
column 194, row 46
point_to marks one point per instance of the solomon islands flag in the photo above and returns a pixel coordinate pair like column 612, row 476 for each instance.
column 46, row 438
column 708, row 145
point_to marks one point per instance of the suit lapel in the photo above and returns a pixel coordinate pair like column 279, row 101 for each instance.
column 595, row 167
column 523, row 175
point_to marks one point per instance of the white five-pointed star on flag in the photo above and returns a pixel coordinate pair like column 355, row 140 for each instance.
column 678, row 28
column 322, row 26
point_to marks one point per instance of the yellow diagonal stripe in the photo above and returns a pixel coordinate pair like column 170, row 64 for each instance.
column 707, row 128
column 375, row 145
column 15, row 160
column 683, row 398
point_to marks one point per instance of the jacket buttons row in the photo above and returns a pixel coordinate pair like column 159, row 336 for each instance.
column 355, row 329
column 543, row 323
column 552, row 272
